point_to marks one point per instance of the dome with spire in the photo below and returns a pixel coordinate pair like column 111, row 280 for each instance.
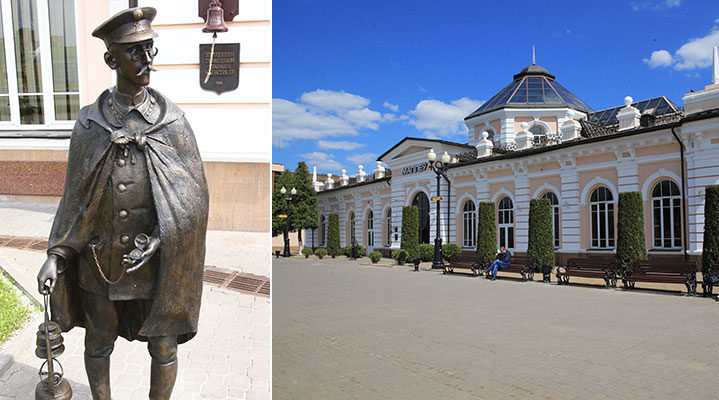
column 533, row 87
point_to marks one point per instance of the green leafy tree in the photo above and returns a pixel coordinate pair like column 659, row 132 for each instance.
column 426, row 252
column 449, row 250
column 486, row 231
column 333, row 235
column 710, row 250
column 630, row 230
column 279, row 205
column 541, row 238
column 410, row 231
column 303, row 210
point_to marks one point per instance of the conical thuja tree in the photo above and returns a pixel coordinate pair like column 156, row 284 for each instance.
column 541, row 239
column 303, row 213
column 333, row 235
column 630, row 230
column 410, row 231
column 710, row 250
column 486, row 231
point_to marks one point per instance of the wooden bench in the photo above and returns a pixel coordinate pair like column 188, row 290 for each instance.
column 600, row 268
column 466, row 262
column 523, row 265
column 662, row 271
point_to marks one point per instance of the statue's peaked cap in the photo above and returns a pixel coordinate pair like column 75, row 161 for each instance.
column 128, row 26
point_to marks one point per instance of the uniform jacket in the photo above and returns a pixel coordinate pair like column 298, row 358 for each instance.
column 180, row 207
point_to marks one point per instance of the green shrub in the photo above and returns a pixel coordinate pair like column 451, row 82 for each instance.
column 361, row 251
column 333, row 235
column 710, row 249
column 375, row 256
column 306, row 251
column 541, row 237
column 321, row 253
column 486, row 232
column 410, row 231
column 426, row 252
column 400, row 255
column 630, row 230
column 449, row 250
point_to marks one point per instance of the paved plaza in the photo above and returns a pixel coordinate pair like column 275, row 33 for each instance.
column 228, row 359
column 348, row 330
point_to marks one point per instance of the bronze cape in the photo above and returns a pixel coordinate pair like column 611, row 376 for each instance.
column 180, row 196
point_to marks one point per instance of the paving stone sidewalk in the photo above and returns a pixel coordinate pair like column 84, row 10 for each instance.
column 228, row 359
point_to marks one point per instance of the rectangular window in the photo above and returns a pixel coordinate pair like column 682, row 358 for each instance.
column 39, row 85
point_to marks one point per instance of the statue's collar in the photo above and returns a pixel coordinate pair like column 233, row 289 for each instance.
column 118, row 106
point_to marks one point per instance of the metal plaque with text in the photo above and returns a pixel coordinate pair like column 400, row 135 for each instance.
column 224, row 73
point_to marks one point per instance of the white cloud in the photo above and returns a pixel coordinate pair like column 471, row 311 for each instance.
column 334, row 101
column 323, row 161
column 435, row 118
column 338, row 145
column 659, row 58
column 655, row 5
column 421, row 89
column 321, row 114
column 391, row 106
column 365, row 159
column 695, row 53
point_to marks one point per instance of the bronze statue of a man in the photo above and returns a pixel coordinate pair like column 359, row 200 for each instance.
column 127, row 246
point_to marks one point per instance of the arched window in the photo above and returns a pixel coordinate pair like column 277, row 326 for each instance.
column 389, row 227
column 352, row 228
column 323, row 230
column 540, row 134
column 602, row 218
column 555, row 215
column 469, row 224
column 666, row 215
column 505, row 222
column 422, row 203
column 370, row 228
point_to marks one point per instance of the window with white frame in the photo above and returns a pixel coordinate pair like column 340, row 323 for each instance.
column 389, row 227
column 554, row 201
column 505, row 223
column 370, row 228
column 666, row 215
column 323, row 230
column 602, row 218
column 39, row 85
column 469, row 224
column 540, row 135
column 352, row 227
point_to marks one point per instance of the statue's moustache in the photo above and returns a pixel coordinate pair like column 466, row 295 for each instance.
column 146, row 68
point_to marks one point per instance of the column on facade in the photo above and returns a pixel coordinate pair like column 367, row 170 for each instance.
column 343, row 221
column 521, row 211
column 378, row 221
column 397, row 202
column 359, row 223
column 570, row 220
column 507, row 133
column 450, row 204
column 482, row 187
column 702, row 171
column 627, row 174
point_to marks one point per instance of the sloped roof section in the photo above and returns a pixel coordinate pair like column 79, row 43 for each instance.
column 657, row 107
column 590, row 130
column 532, row 87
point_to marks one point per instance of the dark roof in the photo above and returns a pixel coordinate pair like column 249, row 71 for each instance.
column 424, row 140
column 355, row 184
column 590, row 130
column 656, row 107
column 532, row 87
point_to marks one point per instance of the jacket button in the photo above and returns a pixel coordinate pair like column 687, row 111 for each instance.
column 121, row 187
column 124, row 238
column 121, row 162
column 123, row 213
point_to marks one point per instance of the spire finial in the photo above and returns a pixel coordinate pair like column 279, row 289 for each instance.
column 534, row 62
column 715, row 67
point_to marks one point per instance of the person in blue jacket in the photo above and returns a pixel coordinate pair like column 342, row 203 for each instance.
column 504, row 258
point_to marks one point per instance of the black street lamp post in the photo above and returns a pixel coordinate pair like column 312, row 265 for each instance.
column 288, row 199
column 440, row 169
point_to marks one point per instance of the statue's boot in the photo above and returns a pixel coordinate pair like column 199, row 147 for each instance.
column 98, row 375
column 162, row 379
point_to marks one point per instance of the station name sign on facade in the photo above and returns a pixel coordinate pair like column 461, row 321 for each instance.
column 414, row 168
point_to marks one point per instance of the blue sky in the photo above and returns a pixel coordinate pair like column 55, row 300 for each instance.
column 351, row 79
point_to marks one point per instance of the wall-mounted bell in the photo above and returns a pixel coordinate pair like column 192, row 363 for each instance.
column 215, row 18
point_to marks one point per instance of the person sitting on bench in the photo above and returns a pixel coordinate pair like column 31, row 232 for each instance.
column 504, row 258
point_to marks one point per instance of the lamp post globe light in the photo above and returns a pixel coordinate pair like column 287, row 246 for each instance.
column 440, row 169
column 288, row 199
